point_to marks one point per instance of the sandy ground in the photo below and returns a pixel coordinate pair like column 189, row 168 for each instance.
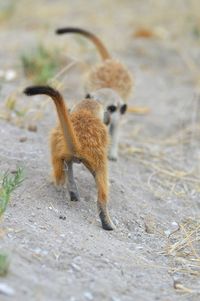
column 57, row 249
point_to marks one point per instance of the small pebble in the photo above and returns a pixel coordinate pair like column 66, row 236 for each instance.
column 115, row 299
column 75, row 267
column 6, row 290
column 62, row 217
column 174, row 227
column 138, row 247
column 22, row 139
column 40, row 251
column 32, row 128
column 10, row 75
column 88, row 296
column 77, row 259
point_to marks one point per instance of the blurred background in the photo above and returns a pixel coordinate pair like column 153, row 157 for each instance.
column 119, row 23
column 146, row 35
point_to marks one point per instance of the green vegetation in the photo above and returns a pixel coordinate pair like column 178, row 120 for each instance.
column 7, row 185
column 4, row 264
column 196, row 31
column 41, row 65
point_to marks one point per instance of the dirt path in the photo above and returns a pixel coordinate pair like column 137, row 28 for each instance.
column 57, row 249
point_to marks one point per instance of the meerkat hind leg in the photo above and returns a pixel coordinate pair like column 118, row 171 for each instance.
column 101, row 182
column 58, row 172
column 71, row 184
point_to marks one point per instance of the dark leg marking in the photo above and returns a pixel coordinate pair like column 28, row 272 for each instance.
column 105, row 219
column 71, row 184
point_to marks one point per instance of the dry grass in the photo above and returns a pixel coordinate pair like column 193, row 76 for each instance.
column 184, row 255
column 174, row 174
column 173, row 164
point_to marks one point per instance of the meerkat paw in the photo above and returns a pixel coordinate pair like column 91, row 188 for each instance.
column 112, row 157
column 113, row 154
column 108, row 227
column 74, row 196
column 106, row 222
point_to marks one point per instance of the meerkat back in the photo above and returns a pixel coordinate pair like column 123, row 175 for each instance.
column 110, row 74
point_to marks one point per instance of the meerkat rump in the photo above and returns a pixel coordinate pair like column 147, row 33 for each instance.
column 107, row 75
column 80, row 137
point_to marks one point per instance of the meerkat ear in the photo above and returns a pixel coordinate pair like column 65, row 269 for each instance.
column 111, row 108
column 123, row 109
column 88, row 95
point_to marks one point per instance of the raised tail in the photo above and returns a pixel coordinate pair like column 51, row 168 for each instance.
column 66, row 125
column 100, row 46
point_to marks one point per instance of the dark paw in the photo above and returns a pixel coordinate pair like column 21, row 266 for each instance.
column 106, row 222
column 108, row 227
column 73, row 196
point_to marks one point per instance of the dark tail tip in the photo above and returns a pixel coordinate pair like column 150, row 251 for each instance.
column 30, row 91
column 61, row 30
column 35, row 90
column 72, row 30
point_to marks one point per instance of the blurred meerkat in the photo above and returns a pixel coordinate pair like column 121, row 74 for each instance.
column 116, row 108
column 81, row 137
column 108, row 74
column 101, row 80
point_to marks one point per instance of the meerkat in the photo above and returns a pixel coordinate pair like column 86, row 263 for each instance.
column 80, row 137
column 101, row 79
column 108, row 74
column 116, row 109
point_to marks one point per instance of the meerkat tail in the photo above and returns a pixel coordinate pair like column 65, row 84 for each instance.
column 100, row 46
column 62, row 111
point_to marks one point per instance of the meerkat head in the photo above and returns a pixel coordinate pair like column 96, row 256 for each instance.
column 95, row 107
column 114, row 106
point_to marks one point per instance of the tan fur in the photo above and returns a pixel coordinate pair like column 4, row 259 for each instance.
column 80, row 136
column 110, row 74
column 92, row 136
